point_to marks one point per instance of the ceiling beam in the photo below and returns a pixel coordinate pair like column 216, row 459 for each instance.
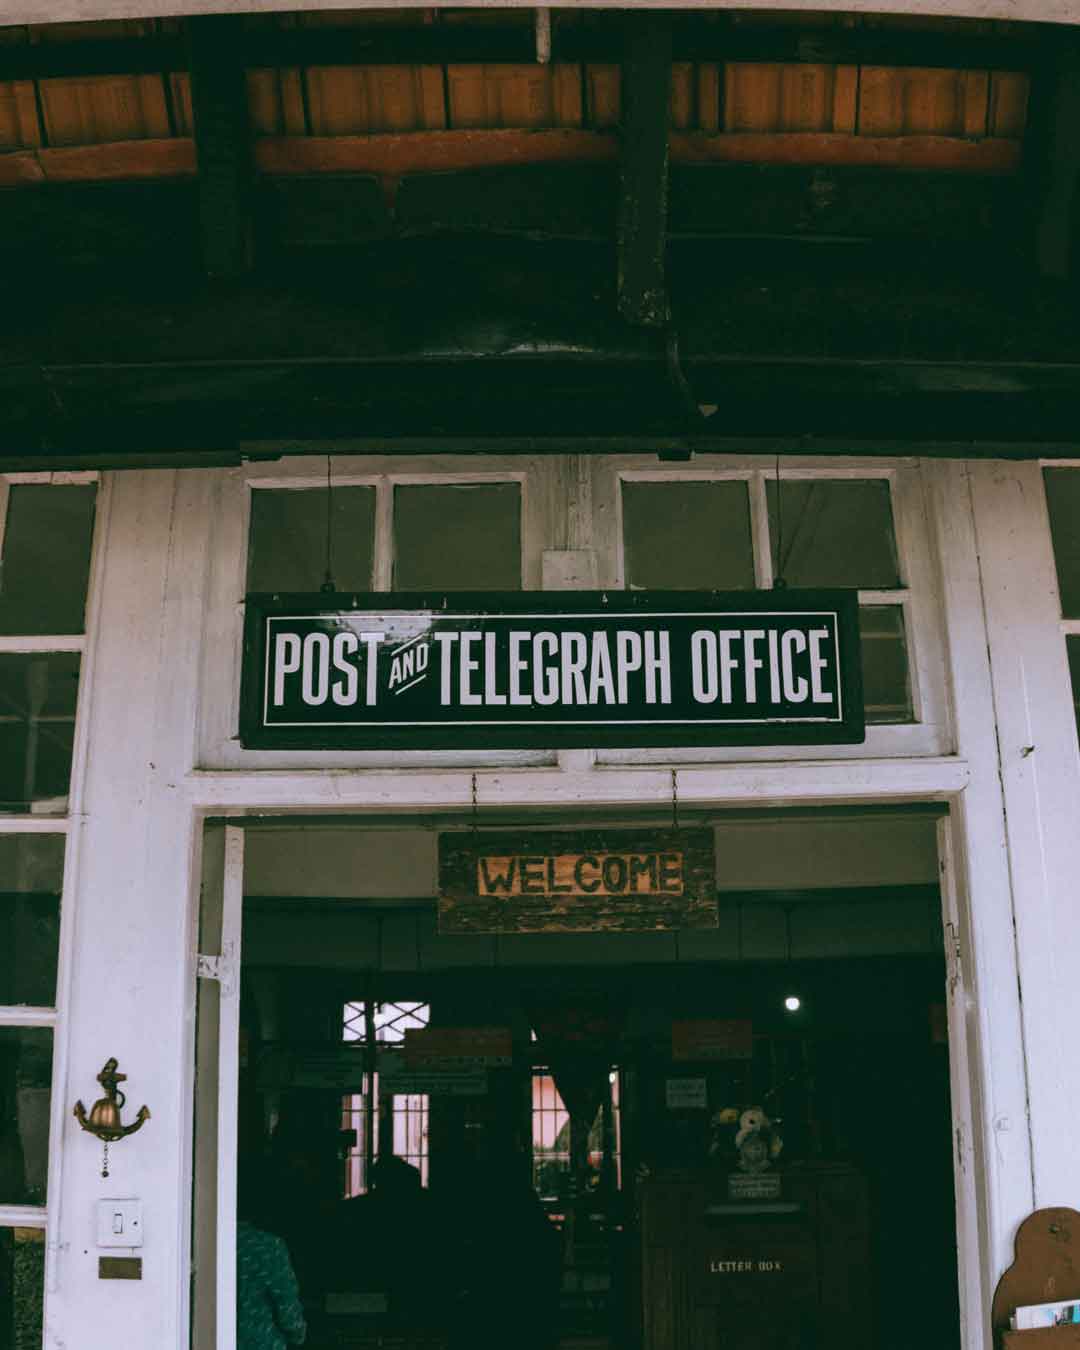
column 641, row 238
column 223, row 144
column 713, row 38
column 1052, row 161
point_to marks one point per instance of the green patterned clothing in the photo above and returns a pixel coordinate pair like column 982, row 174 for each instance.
column 268, row 1311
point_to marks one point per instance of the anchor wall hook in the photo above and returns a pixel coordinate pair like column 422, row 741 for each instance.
column 104, row 1118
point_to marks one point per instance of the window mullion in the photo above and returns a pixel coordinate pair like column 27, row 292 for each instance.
column 22, row 1216
column 19, row 1015
column 5, row 497
column 897, row 595
column 383, row 566
column 759, row 532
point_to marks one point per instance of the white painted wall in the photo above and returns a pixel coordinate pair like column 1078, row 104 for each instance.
column 133, row 891
column 1040, row 774
column 131, row 987
column 805, row 852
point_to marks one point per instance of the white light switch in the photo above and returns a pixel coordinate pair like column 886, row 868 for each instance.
column 119, row 1223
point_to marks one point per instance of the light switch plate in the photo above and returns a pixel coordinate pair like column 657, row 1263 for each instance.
column 119, row 1223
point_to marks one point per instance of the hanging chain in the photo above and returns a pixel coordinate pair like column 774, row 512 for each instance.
column 328, row 587
column 474, row 807
column 674, row 799
column 105, row 1159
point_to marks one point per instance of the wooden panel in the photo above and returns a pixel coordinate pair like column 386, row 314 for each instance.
column 602, row 85
column 682, row 96
column 349, row 100
column 569, row 94
column 916, row 152
column 708, row 95
column 1046, row 1269
column 845, row 99
column 103, row 108
column 915, row 101
column 180, row 87
column 501, row 96
column 293, row 116
column 1042, row 1338
column 975, row 99
column 264, row 102
column 434, row 152
column 1008, row 103
column 778, row 97
column 19, row 126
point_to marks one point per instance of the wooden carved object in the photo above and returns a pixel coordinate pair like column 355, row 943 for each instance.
column 1046, row 1270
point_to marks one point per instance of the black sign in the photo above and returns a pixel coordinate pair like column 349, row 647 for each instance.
column 527, row 669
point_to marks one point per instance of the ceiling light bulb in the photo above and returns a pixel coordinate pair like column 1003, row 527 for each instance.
column 792, row 1003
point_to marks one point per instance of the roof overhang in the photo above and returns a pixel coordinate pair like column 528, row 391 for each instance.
column 68, row 11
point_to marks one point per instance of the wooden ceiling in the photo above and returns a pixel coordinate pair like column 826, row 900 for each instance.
column 824, row 225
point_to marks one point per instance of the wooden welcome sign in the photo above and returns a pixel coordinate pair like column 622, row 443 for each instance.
column 627, row 881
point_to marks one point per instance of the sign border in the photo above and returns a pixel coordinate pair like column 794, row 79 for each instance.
column 604, row 732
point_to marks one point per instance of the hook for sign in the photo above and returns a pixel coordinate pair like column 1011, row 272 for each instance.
column 675, row 799
column 474, row 805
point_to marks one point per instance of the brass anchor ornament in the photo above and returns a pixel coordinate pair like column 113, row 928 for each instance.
column 104, row 1119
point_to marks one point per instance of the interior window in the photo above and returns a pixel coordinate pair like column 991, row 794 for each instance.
column 821, row 533
column 37, row 725
column 692, row 536
column 25, row 1082
column 457, row 537
column 839, row 532
column 22, row 1285
column 31, row 878
column 1063, row 502
column 46, row 559
column 377, row 1119
column 833, row 532
column 294, row 540
column 1073, row 644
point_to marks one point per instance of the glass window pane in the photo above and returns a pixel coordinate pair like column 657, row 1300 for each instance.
column 46, row 562
column 457, row 537
column 1063, row 500
column 37, row 726
column 31, row 879
column 22, row 1288
column 886, row 685
column 25, row 1082
column 833, row 532
column 1073, row 644
column 687, row 536
column 287, row 548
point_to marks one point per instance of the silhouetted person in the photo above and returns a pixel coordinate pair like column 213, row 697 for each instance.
column 391, row 1241
column 512, row 1261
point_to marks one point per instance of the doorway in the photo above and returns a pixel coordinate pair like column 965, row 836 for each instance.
column 567, row 1185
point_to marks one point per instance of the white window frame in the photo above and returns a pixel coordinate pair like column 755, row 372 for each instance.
column 1069, row 627
column 60, row 820
column 218, row 747
column 929, row 733
column 554, row 488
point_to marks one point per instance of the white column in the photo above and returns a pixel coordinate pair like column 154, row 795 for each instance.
column 1040, row 776
column 992, row 1146
column 132, row 985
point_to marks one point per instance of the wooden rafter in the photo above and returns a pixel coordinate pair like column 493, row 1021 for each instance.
column 223, row 144
column 643, row 170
